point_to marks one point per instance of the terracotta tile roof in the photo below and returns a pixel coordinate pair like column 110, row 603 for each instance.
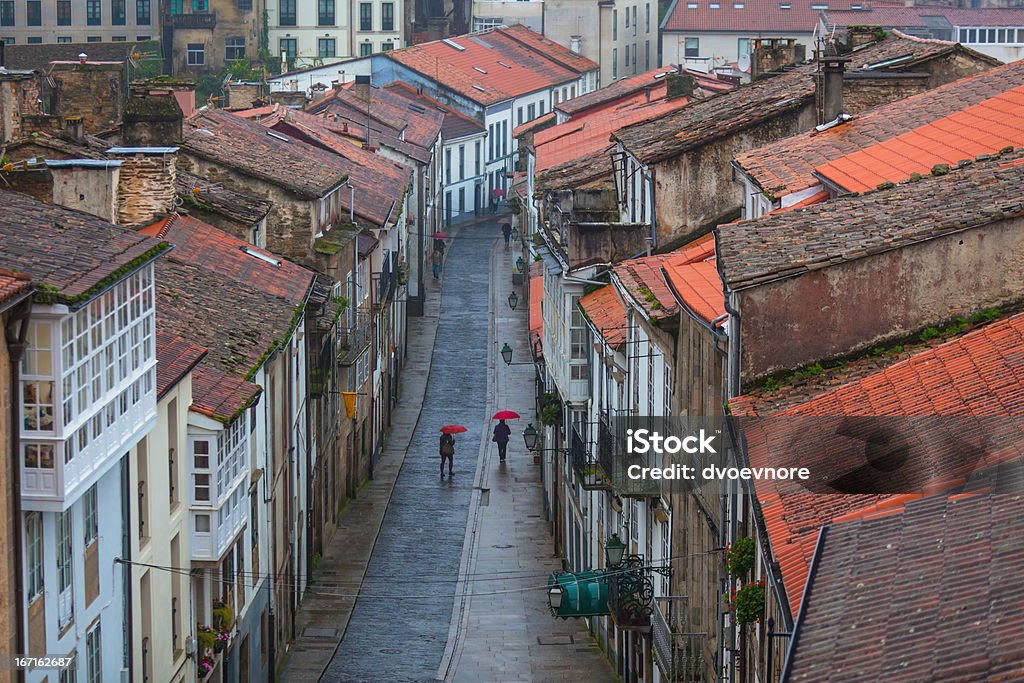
column 748, row 105
column 71, row 254
column 246, row 146
column 625, row 87
column 416, row 124
column 980, row 373
column 215, row 295
column 203, row 245
column 642, row 279
column 219, row 395
column 536, row 317
column 212, row 196
column 931, row 592
column 379, row 182
column 786, row 166
column 852, row 227
column 347, row 120
column 175, row 358
column 605, row 311
column 574, row 153
column 925, row 16
column 985, row 128
column 494, row 65
column 13, row 284
column 746, row 15
column 538, row 123
column 456, row 124
column 693, row 273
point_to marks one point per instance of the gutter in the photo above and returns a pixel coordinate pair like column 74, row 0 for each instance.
column 818, row 548
column 711, row 327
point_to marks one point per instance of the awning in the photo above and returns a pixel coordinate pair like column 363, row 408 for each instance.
column 584, row 594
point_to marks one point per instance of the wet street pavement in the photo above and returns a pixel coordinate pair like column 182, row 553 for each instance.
column 400, row 635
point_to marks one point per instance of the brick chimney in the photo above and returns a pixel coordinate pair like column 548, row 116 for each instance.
column 146, row 187
column 74, row 128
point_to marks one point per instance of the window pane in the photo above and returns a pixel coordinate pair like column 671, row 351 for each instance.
column 365, row 16
column 143, row 12
column 325, row 13
column 387, row 21
column 287, row 13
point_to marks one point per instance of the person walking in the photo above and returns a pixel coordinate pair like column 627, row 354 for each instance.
column 447, row 450
column 506, row 231
column 435, row 262
column 502, row 432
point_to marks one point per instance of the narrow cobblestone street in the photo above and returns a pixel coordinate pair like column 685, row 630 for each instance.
column 450, row 572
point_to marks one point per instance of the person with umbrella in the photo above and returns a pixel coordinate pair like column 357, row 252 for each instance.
column 447, row 446
column 502, row 431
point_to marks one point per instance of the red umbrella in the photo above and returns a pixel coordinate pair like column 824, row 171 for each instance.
column 439, row 235
column 498, row 192
column 505, row 415
column 453, row 429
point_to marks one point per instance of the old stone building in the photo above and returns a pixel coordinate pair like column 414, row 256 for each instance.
column 201, row 37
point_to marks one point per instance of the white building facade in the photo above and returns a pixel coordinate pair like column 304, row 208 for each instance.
column 326, row 31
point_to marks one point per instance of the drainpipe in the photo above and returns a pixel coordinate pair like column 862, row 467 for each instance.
column 654, row 212
column 16, row 343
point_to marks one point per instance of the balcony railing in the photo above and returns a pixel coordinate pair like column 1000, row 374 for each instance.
column 679, row 654
column 616, row 462
column 631, row 593
column 197, row 20
column 354, row 338
column 585, row 465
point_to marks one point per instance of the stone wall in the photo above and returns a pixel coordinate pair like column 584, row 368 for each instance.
column 290, row 222
column 152, row 120
column 870, row 301
column 10, row 603
column 88, row 189
column 94, row 91
column 146, row 189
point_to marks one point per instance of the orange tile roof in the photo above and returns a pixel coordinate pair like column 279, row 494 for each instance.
column 984, row 128
column 12, row 284
column 218, row 395
column 642, row 279
column 605, row 311
column 536, row 317
column 978, row 374
column 786, row 166
column 493, row 67
column 693, row 273
column 593, row 128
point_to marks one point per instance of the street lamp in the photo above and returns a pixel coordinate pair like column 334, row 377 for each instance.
column 515, row 234
column 530, row 437
column 513, row 300
column 614, row 549
column 520, row 264
column 555, row 595
column 506, row 354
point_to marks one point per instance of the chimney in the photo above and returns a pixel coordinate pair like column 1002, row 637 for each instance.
column 831, row 80
column 152, row 118
column 82, row 58
column 774, row 54
column 679, row 84
column 146, row 188
column 574, row 43
column 86, row 185
column 647, row 94
column 74, row 128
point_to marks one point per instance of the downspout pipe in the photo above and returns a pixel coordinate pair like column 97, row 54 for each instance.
column 15, row 335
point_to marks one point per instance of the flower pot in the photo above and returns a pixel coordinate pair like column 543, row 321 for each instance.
column 536, row 458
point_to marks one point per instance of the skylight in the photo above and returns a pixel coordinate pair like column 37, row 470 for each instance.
column 266, row 258
column 818, row 5
column 479, row 69
column 715, row 5
column 452, row 43
column 507, row 66
column 691, row 5
column 784, row 5
column 738, row 5
column 277, row 136
column 480, row 88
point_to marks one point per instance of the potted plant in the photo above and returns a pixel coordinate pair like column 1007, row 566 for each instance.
column 205, row 666
column 206, row 636
column 747, row 604
column 740, row 556
column 222, row 616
